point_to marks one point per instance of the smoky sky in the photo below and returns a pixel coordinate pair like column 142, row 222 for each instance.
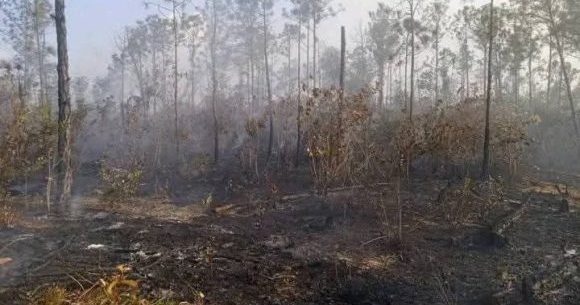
column 94, row 24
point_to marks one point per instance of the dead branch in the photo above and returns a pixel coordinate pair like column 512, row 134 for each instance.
column 505, row 223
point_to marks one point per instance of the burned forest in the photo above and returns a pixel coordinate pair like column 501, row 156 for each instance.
column 300, row 152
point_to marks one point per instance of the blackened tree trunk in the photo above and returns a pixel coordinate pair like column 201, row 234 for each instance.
column 268, row 84
column 486, row 149
column 64, row 168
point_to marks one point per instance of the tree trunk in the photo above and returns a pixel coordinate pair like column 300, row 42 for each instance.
column 193, row 53
column 412, row 97
column 314, row 46
column 299, row 114
column 484, row 68
column 175, row 81
column 122, row 99
column 406, row 69
column 567, row 83
column 437, row 63
column 64, row 168
column 268, row 85
column 43, row 98
column 342, row 57
column 308, row 53
column 530, row 82
column 549, row 87
column 289, row 65
column 381, row 84
column 214, row 83
column 486, row 144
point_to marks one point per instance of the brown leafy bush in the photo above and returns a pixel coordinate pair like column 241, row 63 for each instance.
column 8, row 216
column 198, row 165
column 336, row 136
column 250, row 149
column 119, row 289
column 120, row 183
column 26, row 137
column 453, row 136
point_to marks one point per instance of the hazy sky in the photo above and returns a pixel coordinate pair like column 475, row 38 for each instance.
column 94, row 24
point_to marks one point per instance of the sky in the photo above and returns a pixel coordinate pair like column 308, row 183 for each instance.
column 93, row 26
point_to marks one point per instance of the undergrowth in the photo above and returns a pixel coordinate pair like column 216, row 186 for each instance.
column 119, row 289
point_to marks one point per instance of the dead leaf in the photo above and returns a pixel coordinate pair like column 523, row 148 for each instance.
column 5, row 261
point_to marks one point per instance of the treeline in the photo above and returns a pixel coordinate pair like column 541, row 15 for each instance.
column 194, row 84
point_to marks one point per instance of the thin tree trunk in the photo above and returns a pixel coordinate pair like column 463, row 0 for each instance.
column 530, row 81
column 299, row 115
column 175, row 81
column 437, row 63
column 381, row 84
column 64, row 169
column 314, row 42
column 289, row 65
column 193, row 54
column 406, row 70
column 342, row 57
column 308, row 54
column 560, row 79
column 268, row 85
column 484, row 68
column 567, row 83
column 486, row 144
column 549, row 87
column 412, row 97
column 122, row 101
column 40, row 56
column 214, row 82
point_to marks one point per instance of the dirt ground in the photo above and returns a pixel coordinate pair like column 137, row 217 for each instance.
column 261, row 246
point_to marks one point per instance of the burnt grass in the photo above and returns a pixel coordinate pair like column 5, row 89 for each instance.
column 336, row 250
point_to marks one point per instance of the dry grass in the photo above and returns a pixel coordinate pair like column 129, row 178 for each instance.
column 119, row 289
column 147, row 208
column 8, row 216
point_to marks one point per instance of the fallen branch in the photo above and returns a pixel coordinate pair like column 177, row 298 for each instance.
column 505, row 223
column 373, row 240
column 293, row 197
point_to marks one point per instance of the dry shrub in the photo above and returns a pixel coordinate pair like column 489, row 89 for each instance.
column 118, row 289
column 250, row 149
column 8, row 216
column 197, row 166
column 470, row 202
column 26, row 136
column 336, row 134
column 120, row 182
column 454, row 136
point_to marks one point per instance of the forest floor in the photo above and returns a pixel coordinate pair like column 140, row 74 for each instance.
column 265, row 246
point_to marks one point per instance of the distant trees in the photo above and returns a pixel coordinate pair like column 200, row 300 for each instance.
column 437, row 12
column 553, row 15
column 24, row 28
column 383, row 32
column 233, row 65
